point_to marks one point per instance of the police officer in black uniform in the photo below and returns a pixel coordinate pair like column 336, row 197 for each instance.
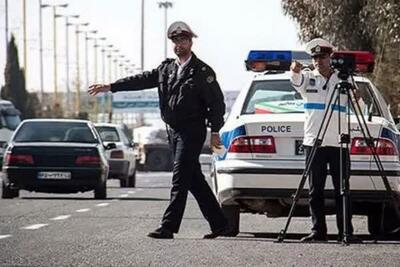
column 190, row 98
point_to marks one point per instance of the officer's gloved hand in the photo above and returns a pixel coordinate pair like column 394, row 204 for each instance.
column 296, row 66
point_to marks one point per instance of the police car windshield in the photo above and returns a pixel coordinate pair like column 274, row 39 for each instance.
column 272, row 96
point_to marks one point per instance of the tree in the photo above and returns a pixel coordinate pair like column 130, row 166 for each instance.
column 14, row 88
column 372, row 25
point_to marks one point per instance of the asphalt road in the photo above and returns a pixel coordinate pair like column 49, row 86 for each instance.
column 76, row 230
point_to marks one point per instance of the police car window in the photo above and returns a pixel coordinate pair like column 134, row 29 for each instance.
column 272, row 96
column 368, row 103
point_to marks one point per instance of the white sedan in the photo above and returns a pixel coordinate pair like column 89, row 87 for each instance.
column 264, row 162
column 122, row 159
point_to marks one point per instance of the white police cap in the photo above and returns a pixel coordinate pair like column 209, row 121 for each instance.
column 319, row 46
column 180, row 28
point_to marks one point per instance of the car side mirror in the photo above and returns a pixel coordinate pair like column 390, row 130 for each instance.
column 110, row 146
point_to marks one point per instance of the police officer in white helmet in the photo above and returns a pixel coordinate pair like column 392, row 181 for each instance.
column 190, row 100
column 316, row 87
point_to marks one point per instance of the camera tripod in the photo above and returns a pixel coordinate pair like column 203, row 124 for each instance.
column 344, row 87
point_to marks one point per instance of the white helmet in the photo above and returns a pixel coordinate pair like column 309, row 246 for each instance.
column 319, row 46
column 180, row 28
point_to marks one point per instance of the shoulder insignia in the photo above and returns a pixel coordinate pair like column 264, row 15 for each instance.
column 210, row 79
column 203, row 68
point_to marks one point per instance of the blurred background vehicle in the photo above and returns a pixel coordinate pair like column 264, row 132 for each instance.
column 153, row 148
column 121, row 159
column 9, row 120
column 55, row 156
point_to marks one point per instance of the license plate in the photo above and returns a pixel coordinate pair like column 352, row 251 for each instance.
column 299, row 149
column 54, row 175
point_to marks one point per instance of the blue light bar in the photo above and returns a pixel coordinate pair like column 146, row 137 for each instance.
column 262, row 60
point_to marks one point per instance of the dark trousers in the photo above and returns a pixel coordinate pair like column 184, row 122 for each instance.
column 328, row 156
column 186, row 144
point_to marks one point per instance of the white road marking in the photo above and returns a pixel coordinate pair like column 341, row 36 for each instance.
column 35, row 226
column 83, row 210
column 61, row 217
column 140, row 189
column 124, row 195
column 5, row 236
column 131, row 192
column 103, row 204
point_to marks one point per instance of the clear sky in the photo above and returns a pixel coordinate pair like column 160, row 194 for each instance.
column 227, row 30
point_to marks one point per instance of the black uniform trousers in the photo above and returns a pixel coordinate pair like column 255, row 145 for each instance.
column 186, row 143
column 317, row 179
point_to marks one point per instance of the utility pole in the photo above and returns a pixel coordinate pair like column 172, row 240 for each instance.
column 54, row 46
column 103, row 72
column 142, row 38
column 67, row 80
column 41, row 52
column 78, row 82
column 109, row 104
column 25, row 40
column 95, row 77
column 87, row 38
column 165, row 5
column 6, row 26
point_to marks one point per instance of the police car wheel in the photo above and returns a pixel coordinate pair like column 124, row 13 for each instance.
column 232, row 214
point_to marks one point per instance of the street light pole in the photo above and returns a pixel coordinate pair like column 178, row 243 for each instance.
column 67, row 80
column 25, row 40
column 103, row 72
column 95, row 78
column 142, row 37
column 165, row 5
column 87, row 38
column 55, row 51
column 110, row 81
column 95, row 57
column 6, row 25
column 54, row 48
column 78, row 83
column 87, row 60
column 41, row 52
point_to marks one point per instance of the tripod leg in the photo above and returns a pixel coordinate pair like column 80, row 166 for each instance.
column 323, row 128
column 368, row 137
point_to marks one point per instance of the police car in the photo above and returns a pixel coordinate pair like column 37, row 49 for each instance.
column 264, row 159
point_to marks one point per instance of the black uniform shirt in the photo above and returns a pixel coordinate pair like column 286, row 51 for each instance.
column 193, row 97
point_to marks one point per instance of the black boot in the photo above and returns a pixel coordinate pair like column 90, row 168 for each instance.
column 161, row 233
